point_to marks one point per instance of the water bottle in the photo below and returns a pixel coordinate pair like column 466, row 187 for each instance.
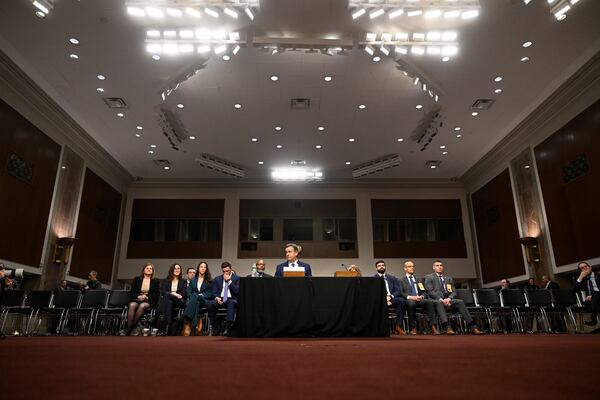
column 253, row 271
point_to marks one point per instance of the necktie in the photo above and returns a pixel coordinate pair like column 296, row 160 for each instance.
column 442, row 284
column 387, row 286
column 413, row 289
column 225, row 289
column 293, row 265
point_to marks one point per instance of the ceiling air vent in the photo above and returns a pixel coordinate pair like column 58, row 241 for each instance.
column 300, row 104
column 162, row 163
column 218, row 164
column 433, row 164
column 482, row 104
column 377, row 165
column 115, row 102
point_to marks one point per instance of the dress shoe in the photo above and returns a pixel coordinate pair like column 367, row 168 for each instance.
column 475, row 331
column 413, row 331
column 435, row 330
column 449, row 331
column 187, row 328
column 399, row 330
column 226, row 328
column 199, row 328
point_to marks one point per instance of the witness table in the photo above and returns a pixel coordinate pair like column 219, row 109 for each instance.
column 305, row 307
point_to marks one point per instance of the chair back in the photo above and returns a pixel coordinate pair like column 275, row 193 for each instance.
column 12, row 298
column 94, row 298
column 39, row 299
column 466, row 295
column 119, row 298
column 66, row 299
column 563, row 298
column 487, row 297
column 513, row 298
column 539, row 298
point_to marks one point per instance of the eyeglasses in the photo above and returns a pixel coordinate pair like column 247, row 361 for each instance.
column 260, row 264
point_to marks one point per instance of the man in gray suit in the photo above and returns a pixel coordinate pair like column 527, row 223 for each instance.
column 413, row 291
column 440, row 288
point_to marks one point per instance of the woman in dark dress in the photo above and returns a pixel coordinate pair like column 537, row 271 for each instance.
column 144, row 294
column 173, row 293
column 199, row 293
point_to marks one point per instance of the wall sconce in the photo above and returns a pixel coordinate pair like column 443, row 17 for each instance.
column 532, row 250
column 62, row 250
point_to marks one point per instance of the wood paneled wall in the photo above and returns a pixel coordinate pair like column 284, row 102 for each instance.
column 500, row 252
column 25, row 205
column 572, row 207
column 97, row 229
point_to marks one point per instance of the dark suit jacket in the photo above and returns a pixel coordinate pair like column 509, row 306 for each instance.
column 165, row 287
column 234, row 286
column 263, row 276
column 94, row 285
column 584, row 284
column 279, row 269
column 405, row 287
column 153, row 293
column 393, row 283
column 434, row 290
column 205, row 289
column 553, row 286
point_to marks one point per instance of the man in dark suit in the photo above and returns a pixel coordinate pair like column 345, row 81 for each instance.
column 440, row 288
column 393, row 295
column 93, row 283
column 260, row 270
column 225, row 290
column 549, row 284
column 291, row 255
column 413, row 291
column 588, row 283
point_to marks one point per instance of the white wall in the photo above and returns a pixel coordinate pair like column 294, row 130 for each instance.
column 460, row 268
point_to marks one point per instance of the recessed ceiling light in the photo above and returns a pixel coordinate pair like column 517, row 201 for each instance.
column 443, row 146
column 166, row 167
column 261, row 162
column 458, row 128
column 74, row 56
column 474, row 113
column 100, row 77
column 444, row 152
column 40, row 14
column 321, row 128
column 498, row 79
column 351, row 140
column 433, row 167
column 226, row 57
column 139, row 127
column 153, row 146
column 527, row 44
column 458, row 135
column 527, row 167
column 138, row 135
column 192, row 137
column 279, row 146
column 274, row 78
column 318, row 146
column 74, row 40
column 418, row 106
column 445, row 59
column 376, row 59
column 120, row 115
column 150, row 151
column 400, row 139
column 180, row 105
column 254, row 139
column 327, row 78
column 237, row 105
column 362, row 106
column 348, row 163
column 100, row 90
column 498, row 91
column 525, row 59
column 277, row 128
column 156, row 57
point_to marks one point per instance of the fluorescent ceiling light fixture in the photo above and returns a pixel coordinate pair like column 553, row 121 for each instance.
column 449, row 50
column 43, row 8
column 414, row 13
column 211, row 12
column 433, row 50
column 135, row 11
column 236, row 49
column 386, row 37
column 384, row 50
column 170, row 48
column 470, row 14
column 431, row 14
column 434, row 36
column 192, row 12
column 232, row 13
column 416, row 81
column 153, row 33
column 449, row 36
column 186, row 34
column 234, row 36
column 358, row 13
column 220, row 49
column 369, row 50
column 249, row 13
column 174, row 12
column 154, row 12
column 296, row 174
column 170, row 34
column 401, row 37
column 418, row 36
column 203, row 34
column 396, row 13
column 203, row 49
column 417, row 50
column 376, row 13
column 401, row 50
column 452, row 14
column 371, row 37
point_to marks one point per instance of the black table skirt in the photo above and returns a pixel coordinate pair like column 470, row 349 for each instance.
column 311, row 307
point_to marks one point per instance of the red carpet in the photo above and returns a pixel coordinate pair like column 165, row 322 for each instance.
column 486, row 367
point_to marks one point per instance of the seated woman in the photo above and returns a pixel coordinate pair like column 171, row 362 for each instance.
column 144, row 294
column 199, row 293
column 173, row 291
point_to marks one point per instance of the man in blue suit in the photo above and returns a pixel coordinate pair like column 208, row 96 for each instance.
column 291, row 255
column 225, row 290
column 393, row 295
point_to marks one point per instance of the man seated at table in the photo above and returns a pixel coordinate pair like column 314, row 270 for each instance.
column 225, row 290
column 588, row 283
column 291, row 255
column 440, row 288
column 393, row 295
column 260, row 270
column 413, row 291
